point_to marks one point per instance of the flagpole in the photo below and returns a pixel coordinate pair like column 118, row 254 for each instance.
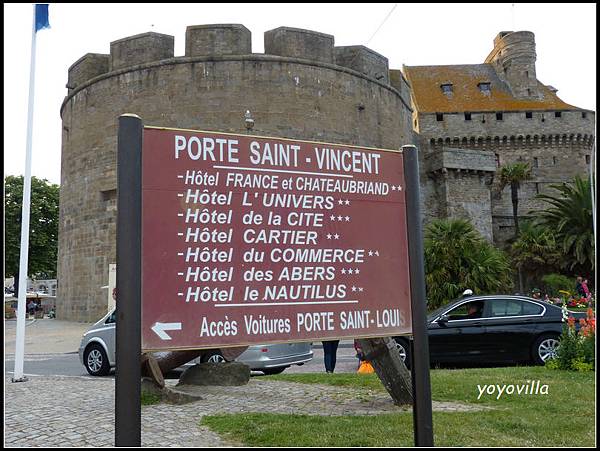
column 18, row 375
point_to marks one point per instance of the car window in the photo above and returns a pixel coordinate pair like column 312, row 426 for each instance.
column 529, row 308
column 513, row 307
column 112, row 318
column 468, row 310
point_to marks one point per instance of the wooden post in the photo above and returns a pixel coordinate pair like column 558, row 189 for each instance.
column 391, row 370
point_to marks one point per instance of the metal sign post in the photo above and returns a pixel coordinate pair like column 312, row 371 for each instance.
column 422, row 410
column 245, row 239
column 129, row 262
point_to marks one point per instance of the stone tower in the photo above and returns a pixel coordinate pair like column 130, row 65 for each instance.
column 513, row 58
column 302, row 87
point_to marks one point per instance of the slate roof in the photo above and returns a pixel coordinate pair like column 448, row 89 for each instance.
column 429, row 98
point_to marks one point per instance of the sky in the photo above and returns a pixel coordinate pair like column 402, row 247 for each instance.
column 407, row 34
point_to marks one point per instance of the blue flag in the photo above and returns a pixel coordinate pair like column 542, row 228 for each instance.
column 41, row 17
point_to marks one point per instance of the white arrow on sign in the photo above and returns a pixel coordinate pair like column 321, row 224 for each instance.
column 159, row 329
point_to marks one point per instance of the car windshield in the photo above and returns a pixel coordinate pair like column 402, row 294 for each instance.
column 438, row 311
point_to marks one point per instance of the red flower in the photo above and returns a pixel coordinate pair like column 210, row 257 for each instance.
column 590, row 313
column 584, row 332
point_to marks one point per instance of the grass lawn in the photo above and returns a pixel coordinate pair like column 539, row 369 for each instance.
column 563, row 417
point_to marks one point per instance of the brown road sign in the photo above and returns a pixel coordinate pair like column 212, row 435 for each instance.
column 249, row 240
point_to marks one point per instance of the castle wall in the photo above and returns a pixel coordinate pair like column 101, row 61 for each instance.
column 461, row 181
column 557, row 149
column 289, row 95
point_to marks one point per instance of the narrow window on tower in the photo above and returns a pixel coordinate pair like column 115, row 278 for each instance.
column 528, row 115
column 535, row 162
column 467, row 116
column 587, row 159
column 499, row 117
column 439, row 117
column 557, row 114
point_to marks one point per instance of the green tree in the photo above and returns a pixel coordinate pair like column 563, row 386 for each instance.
column 536, row 250
column 570, row 218
column 43, row 227
column 513, row 174
column 457, row 257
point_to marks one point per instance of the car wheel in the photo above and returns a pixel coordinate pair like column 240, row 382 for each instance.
column 545, row 348
column 271, row 371
column 403, row 349
column 96, row 360
column 213, row 357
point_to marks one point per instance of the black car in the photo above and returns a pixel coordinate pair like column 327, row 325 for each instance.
column 492, row 329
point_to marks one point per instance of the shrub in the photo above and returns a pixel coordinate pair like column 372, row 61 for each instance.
column 581, row 365
column 567, row 351
column 577, row 349
column 457, row 257
column 556, row 282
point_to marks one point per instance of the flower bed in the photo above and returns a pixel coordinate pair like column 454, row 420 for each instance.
column 577, row 348
column 578, row 303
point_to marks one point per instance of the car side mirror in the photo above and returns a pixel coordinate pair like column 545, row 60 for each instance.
column 443, row 319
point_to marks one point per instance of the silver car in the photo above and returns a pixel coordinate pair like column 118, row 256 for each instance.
column 97, row 352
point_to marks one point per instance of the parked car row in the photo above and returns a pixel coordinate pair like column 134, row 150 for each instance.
column 475, row 329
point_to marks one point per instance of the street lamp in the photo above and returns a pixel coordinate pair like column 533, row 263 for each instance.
column 248, row 120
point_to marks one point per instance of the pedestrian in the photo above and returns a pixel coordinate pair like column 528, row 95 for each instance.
column 364, row 366
column 586, row 290
column 359, row 353
column 536, row 294
column 579, row 287
column 329, row 354
column 31, row 307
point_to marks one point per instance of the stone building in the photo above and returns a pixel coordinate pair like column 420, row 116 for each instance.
column 471, row 119
column 304, row 87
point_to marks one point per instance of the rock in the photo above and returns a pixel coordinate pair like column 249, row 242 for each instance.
column 222, row 374
column 150, row 387
column 167, row 394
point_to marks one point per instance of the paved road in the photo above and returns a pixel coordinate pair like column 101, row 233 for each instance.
column 67, row 364
column 51, row 350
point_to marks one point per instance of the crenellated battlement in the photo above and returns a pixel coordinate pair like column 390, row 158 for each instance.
column 583, row 141
column 87, row 67
column 299, row 43
column 363, row 60
column 141, row 48
column 218, row 40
